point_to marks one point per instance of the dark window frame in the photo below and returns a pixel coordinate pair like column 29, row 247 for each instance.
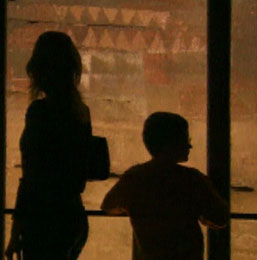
column 218, row 114
column 2, row 122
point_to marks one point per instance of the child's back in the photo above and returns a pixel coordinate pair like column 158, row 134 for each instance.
column 164, row 204
column 164, row 199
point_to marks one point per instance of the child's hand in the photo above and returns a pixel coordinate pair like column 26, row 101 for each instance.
column 210, row 224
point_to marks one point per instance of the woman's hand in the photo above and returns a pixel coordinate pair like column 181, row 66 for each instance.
column 14, row 246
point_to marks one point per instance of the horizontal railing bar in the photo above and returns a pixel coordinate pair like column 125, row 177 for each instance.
column 96, row 213
column 246, row 216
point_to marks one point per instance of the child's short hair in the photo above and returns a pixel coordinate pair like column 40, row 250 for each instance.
column 162, row 128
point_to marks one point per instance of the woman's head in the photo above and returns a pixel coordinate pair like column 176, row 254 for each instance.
column 167, row 134
column 55, row 66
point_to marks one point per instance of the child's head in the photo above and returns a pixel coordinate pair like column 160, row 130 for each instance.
column 166, row 134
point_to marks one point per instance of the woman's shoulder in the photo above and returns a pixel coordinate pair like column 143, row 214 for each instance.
column 36, row 109
column 84, row 114
column 36, row 106
column 85, row 107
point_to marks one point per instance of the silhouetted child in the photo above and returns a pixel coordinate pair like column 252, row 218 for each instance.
column 164, row 199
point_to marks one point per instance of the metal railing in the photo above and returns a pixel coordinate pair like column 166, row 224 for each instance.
column 101, row 213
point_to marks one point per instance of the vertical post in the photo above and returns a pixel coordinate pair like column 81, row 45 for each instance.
column 218, row 133
column 2, row 121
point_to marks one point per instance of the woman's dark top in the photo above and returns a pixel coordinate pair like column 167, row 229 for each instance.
column 54, row 161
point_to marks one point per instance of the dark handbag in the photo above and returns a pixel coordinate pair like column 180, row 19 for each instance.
column 99, row 159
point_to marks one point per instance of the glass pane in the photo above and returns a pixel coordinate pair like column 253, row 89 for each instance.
column 243, row 127
column 243, row 106
column 243, row 240
column 109, row 238
column 138, row 57
column 154, row 58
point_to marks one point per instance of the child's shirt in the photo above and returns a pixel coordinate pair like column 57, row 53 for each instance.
column 164, row 203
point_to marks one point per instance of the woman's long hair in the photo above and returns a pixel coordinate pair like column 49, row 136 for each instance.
column 55, row 71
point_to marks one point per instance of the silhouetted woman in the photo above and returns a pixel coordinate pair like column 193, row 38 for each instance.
column 49, row 220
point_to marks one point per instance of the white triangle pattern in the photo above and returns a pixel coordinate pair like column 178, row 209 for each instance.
column 178, row 46
column 142, row 17
column 195, row 44
column 110, row 13
column 161, row 18
column 106, row 41
column 127, row 15
column 122, row 42
column 146, row 16
column 90, row 40
column 70, row 33
column 138, row 42
column 94, row 11
column 76, row 10
column 157, row 45
column 61, row 11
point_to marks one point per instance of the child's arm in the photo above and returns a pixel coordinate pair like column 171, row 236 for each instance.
column 117, row 199
column 210, row 224
column 112, row 203
column 214, row 211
